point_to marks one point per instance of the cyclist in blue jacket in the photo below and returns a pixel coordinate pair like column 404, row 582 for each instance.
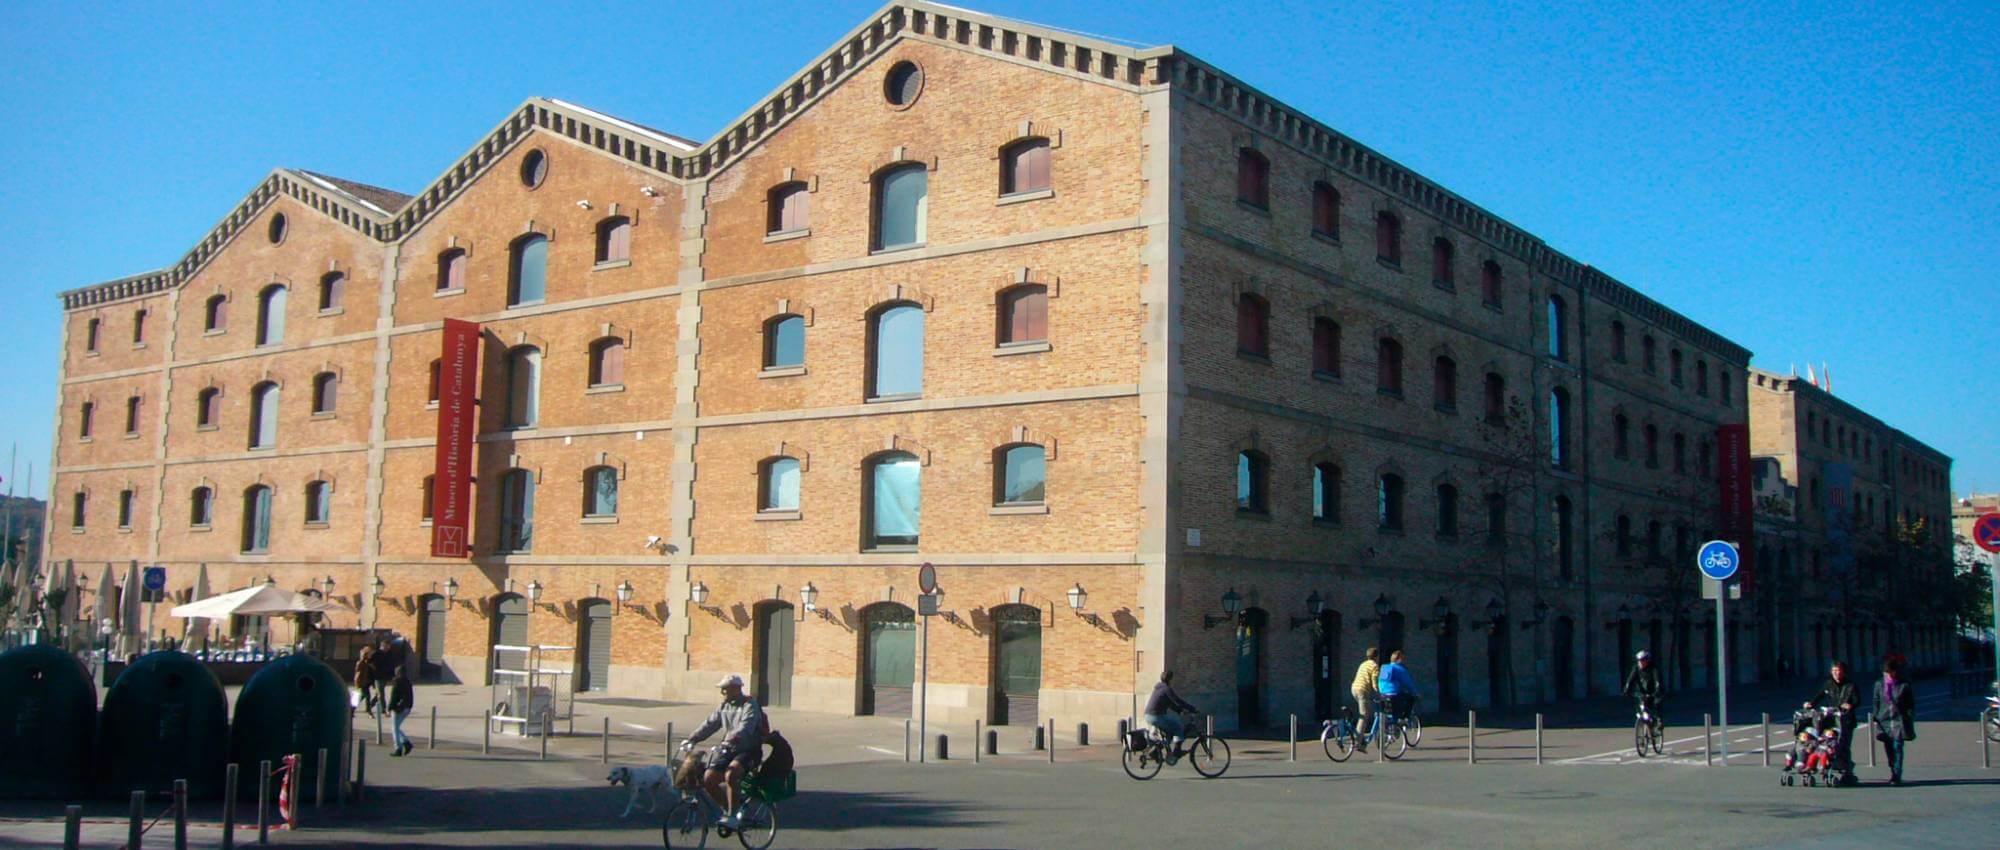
column 1396, row 685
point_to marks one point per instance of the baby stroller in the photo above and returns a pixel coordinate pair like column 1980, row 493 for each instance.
column 1816, row 758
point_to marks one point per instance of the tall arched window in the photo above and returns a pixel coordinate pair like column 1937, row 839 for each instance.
column 1389, row 502
column 215, row 314
column 430, row 497
column 600, row 492
column 1680, row 453
column 778, row 484
column 1253, row 179
column 1558, row 336
column 1252, row 482
column 86, row 417
column 1674, row 366
column 607, row 362
column 1326, row 347
column 614, row 240
column 201, row 507
column 1389, row 238
column 784, row 341
column 78, row 505
column 271, row 315
column 451, row 270
column 902, row 206
column 264, row 415
column 1496, row 398
column 1496, row 519
column 1559, row 454
column 1648, row 354
column 896, row 351
column 326, row 388
column 524, row 387
column 1444, row 384
column 208, row 407
column 1564, row 537
column 437, row 377
column 892, row 501
column 517, row 511
column 90, row 330
column 1024, row 167
column 319, row 498
column 1326, row 492
column 1447, row 510
column 257, row 520
column 139, row 327
column 127, row 499
column 132, row 407
column 1021, row 473
column 788, row 208
column 1618, row 341
column 1700, row 377
column 528, row 270
column 1326, row 210
column 1489, row 284
column 332, row 289
column 1389, row 366
column 1253, row 325
column 1023, row 314
column 1443, row 258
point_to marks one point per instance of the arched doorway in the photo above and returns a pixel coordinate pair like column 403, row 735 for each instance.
column 888, row 659
column 1561, row 666
column 508, row 627
column 773, row 652
column 430, row 636
column 1499, row 663
column 1447, row 663
column 1326, row 664
column 1017, row 665
column 1250, row 668
column 593, row 645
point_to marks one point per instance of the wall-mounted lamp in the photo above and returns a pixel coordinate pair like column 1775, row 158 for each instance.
column 378, row 587
column 1382, row 608
column 1621, row 615
column 698, row 594
column 1440, row 614
column 1494, row 611
column 1541, row 616
column 1315, row 606
column 450, row 590
column 1231, row 604
column 534, row 590
column 624, row 592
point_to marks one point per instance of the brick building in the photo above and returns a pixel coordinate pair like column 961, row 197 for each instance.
column 1156, row 370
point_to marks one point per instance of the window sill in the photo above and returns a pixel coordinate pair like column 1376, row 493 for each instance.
column 1491, row 306
column 1329, row 238
column 208, row 427
column 256, row 553
column 787, row 235
column 263, row 448
column 605, row 519
column 431, row 405
column 1447, row 409
column 1393, row 532
column 324, row 415
column 893, row 249
column 1329, row 377
column 269, row 345
column 1024, row 197
column 1389, row 393
column 1249, row 207
column 138, row 346
column 86, row 440
column 124, row 529
column 610, row 264
column 781, row 371
column 201, row 529
column 1011, row 348
column 1444, row 285
column 1022, row 509
column 214, row 331
column 526, row 304
column 332, row 311
column 317, row 526
column 888, row 548
column 1387, row 263
column 1248, row 513
column 131, row 435
column 524, row 430
column 424, row 523
column 1253, row 357
column 91, row 353
column 601, row 389
column 777, row 516
column 76, row 529
column 1323, row 522
column 447, row 293
column 884, row 399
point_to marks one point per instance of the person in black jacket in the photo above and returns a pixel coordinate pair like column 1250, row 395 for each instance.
column 1645, row 683
column 1895, row 715
column 1840, row 694
column 402, row 698
column 1163, row 709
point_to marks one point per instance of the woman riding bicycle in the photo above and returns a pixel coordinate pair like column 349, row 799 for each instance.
column 1163, row 713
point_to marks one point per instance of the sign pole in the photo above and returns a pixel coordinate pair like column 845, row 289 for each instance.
column 924, row 695
column 1986, row 535
column 1722, row 666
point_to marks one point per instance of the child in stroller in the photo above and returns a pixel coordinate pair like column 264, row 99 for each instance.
column 1815, row 759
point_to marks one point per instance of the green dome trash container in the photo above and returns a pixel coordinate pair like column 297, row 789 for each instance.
column 164, row 718
column 296, row 705
column 48, row 718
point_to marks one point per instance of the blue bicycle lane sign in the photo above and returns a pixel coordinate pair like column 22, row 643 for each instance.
column 1717, row 559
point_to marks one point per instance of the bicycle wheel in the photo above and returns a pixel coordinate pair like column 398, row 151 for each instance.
column 760, row 824
column 1642, row 737
column 1143, row 764
column 1659, row 737
column 1395, row 741
column 1338, row 741
column 1209, row 755
column 685, row 827
column 1413, row 730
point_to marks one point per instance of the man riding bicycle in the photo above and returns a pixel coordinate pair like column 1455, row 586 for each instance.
column 1398, row 688
column 1163, row 713
column 741, row 722
column 1645, row 682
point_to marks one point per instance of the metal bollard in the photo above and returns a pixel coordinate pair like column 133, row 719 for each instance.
column 486, row 734
column 72, row 827
column 1083, row 734
column 943, row 747
column 264, row 802
column 1209, row 724
column 1052, row 740
column 229, row 807
column 1538, row 737
column 1040, row 735
column 1124, row 730
column 1767, row 739
column 1985, row 750
column 1375, row 735
column 992, row 742
column 906, row 740
column 360, row 769
column 319, row 787
column 1708, row 739
column 670, row 740
column 545, row 736
column 136, row 830
column 378, row 727
column 1293, row 737
column 1871, row 741
column 432, row 743
column 180, row 814
column 975, row 741
column 1471, row 737
column 604, row 756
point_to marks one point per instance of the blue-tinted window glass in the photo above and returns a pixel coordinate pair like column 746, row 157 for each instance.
column 1024, row 475
column 901, row 204
column 271, row 317
column 787, row 344
column 531, row 269
column 603, row 492
column 781, row 485
column 898, row 367
column 895, row 501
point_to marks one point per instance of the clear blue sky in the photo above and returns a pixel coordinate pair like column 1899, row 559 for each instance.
column 1817, row 183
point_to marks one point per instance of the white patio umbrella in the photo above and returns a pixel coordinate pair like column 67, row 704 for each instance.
column 198, row 628
column 261, row 599
column 128, row 604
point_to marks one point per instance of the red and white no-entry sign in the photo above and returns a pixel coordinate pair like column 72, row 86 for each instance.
column 1986, row 532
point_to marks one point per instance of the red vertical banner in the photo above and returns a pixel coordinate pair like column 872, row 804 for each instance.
column 458, row 428
column 1739, row 523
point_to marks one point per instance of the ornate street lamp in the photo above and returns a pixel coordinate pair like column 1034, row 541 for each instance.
column 1440, row 611
column 1231, row 604
column 698, row 594
column 1382, row 608
column 1315, row 606
column 1077, row 597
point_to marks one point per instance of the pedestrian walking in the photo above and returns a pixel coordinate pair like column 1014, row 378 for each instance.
column 402, row 698
column 1366, row 692
column 1895, row 715
column 1842, row 695
column 364, row 678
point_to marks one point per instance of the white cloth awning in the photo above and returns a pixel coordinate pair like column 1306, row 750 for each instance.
column 263, row 599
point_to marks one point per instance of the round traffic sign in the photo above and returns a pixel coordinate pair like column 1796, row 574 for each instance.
column 1717, row 559
column 927, row 578
column 1986, row 532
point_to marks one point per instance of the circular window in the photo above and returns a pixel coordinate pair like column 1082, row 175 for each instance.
column 904, row 83
column 534, row 168
column 277, row 230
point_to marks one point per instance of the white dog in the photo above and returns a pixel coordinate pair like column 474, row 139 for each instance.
column 650, row 780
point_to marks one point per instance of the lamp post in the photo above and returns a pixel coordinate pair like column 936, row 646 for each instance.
column 1382, row 608
column 1231, row 604
column 808, row 600
column 1440, row 611
column 624, row 592
column 698, row 594
column 1494, row 611
column 375, row 600
column 450, row 591
column 1315, row 606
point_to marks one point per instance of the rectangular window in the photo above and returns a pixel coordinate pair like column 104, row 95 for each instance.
column 125, row 500
column 132, row 406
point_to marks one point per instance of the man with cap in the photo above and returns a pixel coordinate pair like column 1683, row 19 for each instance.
column 741, row 721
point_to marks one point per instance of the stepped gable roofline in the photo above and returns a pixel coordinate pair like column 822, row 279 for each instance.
column 118, row 290
column 682, row 142
column 1797, row 384
column 382, row 201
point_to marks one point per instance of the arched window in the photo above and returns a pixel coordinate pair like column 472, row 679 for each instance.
column 1652, row 447
column 614, row 240
column 132, row 408
column 126, row 500
column 326, row 386
column 1389, row 502
column 784, row 341
column 517, row 511
column 1444, row 384
column 528, row 270
column 90, row 334
column 201, row 507
column 1618, row 341
column 1326, row 210
column 1621, row 436
column 86, row 419
column 1252, row 474
column 1489, row 284
column 1680, row 453
column 1326, row 347
column 1648, row 354
column 893, row 501
column 271, row 315
column 600, row 492
column 1442, row 261
column 524, row 387
column 896, row 351
column 215, row 314
column 1496, row 519
column 607, row 362
column 902, row 206
column 1565, row 559
column 1021, row 473
column 1558, row 341
column 430, row 496
column 138, row 328
column 1024, row 314
column 1253, row 325
column 332, row 288
column 451, row 270
column 1024, row 167
column 1496, row 398
column 788, row 208
column 264, row 415
column 1447, row 510
column 1326, row 492
column 1253, row 179
column 1722, row 384
column 1674, row 366
column 319, row 508
column 778, row 484
column 1624, row 535
column 1389, row 366
column 1700, row 377
column 208, row 407
column 1389, row 238
column 1559, row 428
column 256, row 520
column 437, row 377
column 79, row 503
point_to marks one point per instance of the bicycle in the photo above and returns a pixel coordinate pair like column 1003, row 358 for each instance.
column 1146, row 751
column 1990, row 719
column 689, row 820
column 1340, row 735
column 1647, row 730
column 1395, row 733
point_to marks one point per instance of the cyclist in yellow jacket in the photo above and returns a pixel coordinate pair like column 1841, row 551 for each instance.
column 1366, row 692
